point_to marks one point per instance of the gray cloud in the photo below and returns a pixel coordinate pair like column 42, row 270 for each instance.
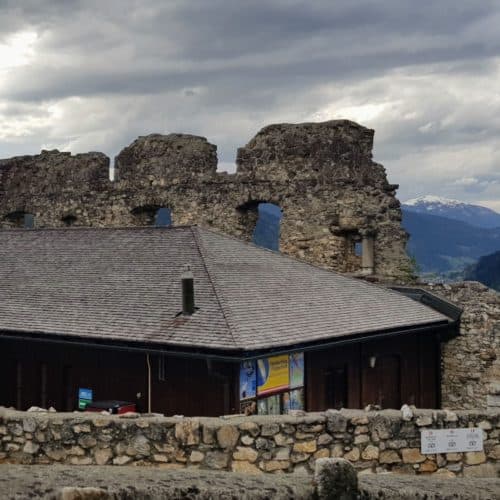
column 424, row 74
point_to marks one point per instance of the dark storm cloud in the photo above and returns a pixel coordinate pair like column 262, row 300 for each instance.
column 129, row 48
column 103, row 72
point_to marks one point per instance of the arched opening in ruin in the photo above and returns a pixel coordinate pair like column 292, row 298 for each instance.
column 152, row 215
column 163, row 217
column 260, row 222
column 20, row 218
column 69, row 220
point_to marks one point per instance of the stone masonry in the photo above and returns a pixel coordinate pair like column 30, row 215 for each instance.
column 372, row 441
column 320, row 174
column 471, row 361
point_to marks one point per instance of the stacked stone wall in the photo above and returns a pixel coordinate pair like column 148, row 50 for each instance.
column 372, row 441
column 320, row 174
column 471, row 362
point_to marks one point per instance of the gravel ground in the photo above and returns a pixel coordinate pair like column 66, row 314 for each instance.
column 144, row 483
column 57, row 482
column 393, row 486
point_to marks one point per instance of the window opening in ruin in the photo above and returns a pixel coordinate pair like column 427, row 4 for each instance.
column 163, row 217
column 261, row 222
column 358, row 248
column 69, row 220
column 152, row 215
column 267, row 228
column 29, row 221
column 20, row 219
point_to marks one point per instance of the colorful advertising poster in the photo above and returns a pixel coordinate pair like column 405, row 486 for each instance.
column 296, row 369
column 293, row 400
column 285, row 402
column 248, row 407
column 296, row 400
column 84, row 398
column 262, row 406
column 248, row 380
column 272, row 374
column 273, row 405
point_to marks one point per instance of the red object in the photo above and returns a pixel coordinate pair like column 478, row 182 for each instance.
column 113, row 407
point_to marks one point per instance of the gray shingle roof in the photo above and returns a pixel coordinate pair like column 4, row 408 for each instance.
column 124, row 284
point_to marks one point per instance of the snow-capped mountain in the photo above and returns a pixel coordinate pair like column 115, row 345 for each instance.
column 454, row 209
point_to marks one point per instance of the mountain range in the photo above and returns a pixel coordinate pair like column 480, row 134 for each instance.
column 448, row 237
column 474, row 215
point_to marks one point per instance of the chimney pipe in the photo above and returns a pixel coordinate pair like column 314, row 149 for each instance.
column 187, row 280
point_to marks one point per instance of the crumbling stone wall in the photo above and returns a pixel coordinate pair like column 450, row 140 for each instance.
column 321, row 175
column 471, row 361
column 372, row 441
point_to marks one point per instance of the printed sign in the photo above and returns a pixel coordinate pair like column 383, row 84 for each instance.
column 248, row 380
column 84, row 398
column 293, row 400
column 296, row 369
column 451, row 440
column 273, row 374
column 270, row 405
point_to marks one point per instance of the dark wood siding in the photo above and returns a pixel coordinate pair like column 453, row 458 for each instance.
column 404, row 371
column 193, row 387
column 34, row 373
column 38, row 374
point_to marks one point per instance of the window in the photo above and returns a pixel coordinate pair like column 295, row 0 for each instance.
column 152, row 215
column 261, row 223
column 69, row 220
column 20, row 219
column 163, row 217
column 358, row 248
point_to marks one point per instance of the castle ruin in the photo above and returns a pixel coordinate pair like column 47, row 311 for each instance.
column 322, row 176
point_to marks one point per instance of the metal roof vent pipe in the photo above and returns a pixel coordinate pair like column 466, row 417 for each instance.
column 187, row 280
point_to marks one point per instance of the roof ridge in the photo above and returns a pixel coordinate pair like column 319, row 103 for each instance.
column 217, row 292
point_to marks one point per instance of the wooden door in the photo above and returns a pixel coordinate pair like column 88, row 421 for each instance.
column 382, row 381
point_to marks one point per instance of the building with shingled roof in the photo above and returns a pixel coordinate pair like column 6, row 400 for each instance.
column 183, row 320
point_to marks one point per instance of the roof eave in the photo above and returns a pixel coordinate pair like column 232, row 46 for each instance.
column 444, row 329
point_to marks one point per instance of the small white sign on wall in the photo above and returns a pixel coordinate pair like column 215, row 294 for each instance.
column 451, row 440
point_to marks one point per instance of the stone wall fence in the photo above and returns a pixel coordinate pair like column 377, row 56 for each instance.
column 374, row 442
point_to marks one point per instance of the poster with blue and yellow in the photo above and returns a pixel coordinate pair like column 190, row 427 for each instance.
column 273, row 374
column 248, row 380
column 296, row 370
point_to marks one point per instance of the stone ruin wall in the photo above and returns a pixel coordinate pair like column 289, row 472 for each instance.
column 470, row 374
column 320, row 174
column 374, row 442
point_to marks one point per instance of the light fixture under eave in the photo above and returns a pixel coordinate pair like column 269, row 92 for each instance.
column 373, row 361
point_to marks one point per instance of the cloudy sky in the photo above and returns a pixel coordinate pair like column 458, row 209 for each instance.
column 83, row 75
